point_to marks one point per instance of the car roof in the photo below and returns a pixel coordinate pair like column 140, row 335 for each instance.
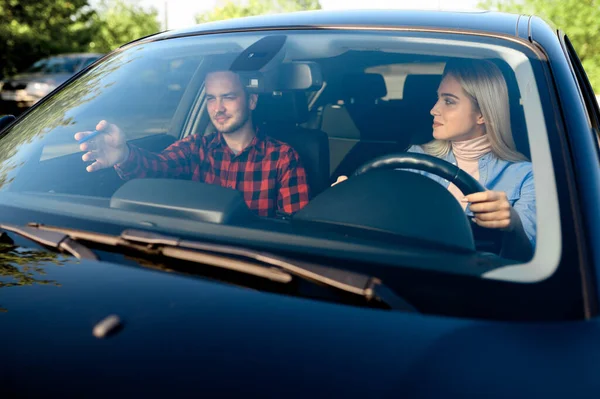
column 481, row 21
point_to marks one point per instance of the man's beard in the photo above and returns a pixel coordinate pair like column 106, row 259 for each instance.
column 235, row 126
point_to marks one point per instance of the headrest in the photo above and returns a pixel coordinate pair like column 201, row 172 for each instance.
column 290, row 76
column 367, row 86
column 421, row 87
column 419, row 96
column 288, row 107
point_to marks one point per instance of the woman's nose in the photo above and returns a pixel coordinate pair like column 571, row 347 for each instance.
column 434, row 111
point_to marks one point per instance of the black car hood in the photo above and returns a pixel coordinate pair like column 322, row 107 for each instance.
column 185, row 335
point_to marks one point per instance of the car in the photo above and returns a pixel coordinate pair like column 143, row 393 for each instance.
column 378, row 286
column 28, row 87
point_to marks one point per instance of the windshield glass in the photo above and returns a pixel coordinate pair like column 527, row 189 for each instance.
column 307, row 140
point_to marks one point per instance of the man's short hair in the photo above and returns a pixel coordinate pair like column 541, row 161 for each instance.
column 242, row 80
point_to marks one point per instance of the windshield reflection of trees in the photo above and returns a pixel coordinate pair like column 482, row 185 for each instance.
column 53, row 114
column 25, row 267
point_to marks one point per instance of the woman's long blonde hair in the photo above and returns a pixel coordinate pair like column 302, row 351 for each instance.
column 485, row 86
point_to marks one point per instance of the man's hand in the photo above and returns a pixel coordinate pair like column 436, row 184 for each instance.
column 492, row 210
column 108, row 148
column 340, row 179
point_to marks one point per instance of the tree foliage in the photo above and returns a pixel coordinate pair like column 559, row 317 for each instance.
column 577, row 18
column 117, row 22
column 34, row 29
column 227, row 9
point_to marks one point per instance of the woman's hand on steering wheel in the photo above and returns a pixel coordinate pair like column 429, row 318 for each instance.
column 492, row 210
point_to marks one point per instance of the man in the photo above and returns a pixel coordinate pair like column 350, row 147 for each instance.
column 268, row 172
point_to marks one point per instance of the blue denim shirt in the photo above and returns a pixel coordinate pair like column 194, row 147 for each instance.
column 514, row 178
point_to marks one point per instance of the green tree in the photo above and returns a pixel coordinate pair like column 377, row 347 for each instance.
column 227, row 9
column 117, row 22
column 33, row 29
column 577, row 18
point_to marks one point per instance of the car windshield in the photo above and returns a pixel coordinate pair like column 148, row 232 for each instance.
column 55, row 65
column 340, row 143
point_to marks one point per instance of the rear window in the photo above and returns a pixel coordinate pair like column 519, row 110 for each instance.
column 395, row 75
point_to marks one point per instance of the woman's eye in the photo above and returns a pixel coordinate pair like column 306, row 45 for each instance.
column 448, row 102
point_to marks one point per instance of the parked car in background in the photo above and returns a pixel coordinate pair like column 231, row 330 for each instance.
column 21, row 91
column 379, row 287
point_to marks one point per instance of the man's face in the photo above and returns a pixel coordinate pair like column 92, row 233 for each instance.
column 228, row 106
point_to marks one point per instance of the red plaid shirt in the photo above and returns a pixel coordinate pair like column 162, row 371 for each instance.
column 268, row 172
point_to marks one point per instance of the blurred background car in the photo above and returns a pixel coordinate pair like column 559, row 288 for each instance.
column 21, row 91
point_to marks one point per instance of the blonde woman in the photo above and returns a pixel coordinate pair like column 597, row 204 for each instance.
column 471, row 129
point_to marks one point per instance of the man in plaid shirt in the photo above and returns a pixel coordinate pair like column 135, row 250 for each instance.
column 268, row 172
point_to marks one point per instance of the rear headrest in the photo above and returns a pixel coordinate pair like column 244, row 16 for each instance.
column 366, row 86
column 288, row 107
column 291, row 76
column 421, row 88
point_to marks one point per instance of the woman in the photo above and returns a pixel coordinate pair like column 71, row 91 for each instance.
column 471, row 129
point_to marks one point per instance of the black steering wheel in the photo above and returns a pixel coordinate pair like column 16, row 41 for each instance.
column 488, row 240
column 427, row 163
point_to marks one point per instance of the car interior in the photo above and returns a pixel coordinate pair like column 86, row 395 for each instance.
column 337, row 121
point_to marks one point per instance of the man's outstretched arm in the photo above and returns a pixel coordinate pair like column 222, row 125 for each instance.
column 176, row 161
column 108, row 148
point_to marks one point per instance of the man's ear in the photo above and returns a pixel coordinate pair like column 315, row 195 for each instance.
column 252, row 101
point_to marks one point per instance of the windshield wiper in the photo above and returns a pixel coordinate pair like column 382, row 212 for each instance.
column 51, row 239
column 247, row 261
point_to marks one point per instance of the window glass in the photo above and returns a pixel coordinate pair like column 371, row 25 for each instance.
column 321, row 104
column 142, row 104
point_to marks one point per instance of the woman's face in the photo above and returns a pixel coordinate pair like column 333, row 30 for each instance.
column 455, row 117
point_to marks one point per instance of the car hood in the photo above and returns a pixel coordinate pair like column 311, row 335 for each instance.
column 183, row 335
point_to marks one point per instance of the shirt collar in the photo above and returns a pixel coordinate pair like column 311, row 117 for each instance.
column 258, row 143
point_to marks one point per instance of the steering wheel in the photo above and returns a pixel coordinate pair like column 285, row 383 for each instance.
column 427, row 163
column 489, row 240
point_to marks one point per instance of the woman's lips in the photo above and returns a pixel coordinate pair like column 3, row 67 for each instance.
column 436, row 124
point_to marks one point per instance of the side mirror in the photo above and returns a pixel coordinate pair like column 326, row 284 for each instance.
column 6, row 120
